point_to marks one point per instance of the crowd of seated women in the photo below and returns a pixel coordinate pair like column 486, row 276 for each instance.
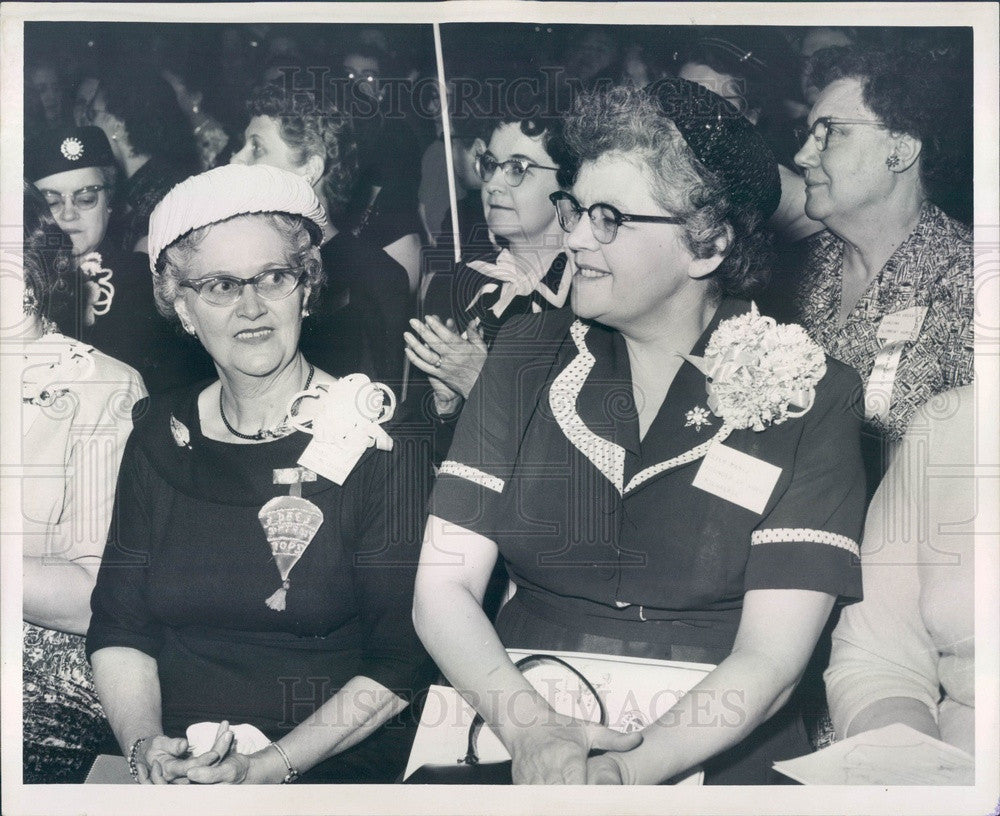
column 309, row 404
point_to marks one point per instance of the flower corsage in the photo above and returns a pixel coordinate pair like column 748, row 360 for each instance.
column 759, row 372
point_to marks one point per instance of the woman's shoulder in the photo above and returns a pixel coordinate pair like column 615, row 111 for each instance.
column 167, row 415
column 942, row 227
column 115, row 373
column 547, row 326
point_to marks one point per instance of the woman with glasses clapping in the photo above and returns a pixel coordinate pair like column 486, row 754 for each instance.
column 668, row 474
column 525, row 162
column 251, row 619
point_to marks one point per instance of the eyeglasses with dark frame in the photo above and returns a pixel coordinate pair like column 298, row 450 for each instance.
column 604, row 218
column 85, row 198
column 514, row 170
column 225, row 290
column 820, row 130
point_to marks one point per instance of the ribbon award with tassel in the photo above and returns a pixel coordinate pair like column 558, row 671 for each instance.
column 290, row 522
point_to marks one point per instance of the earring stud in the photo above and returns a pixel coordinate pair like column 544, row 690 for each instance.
column 892, row 162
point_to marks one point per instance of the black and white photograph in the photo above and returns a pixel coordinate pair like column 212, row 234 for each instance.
column 416, row 402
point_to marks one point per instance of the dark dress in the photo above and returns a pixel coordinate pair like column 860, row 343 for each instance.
column 188, row 568
column 612, row 548
column 138, row 197
column 464, row 294
column 362, row 312
column 134, row 332
column 389, row 159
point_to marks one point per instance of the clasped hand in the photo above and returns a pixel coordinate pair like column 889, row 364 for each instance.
column 557, row 752
column 164, row 761
column 451, row 360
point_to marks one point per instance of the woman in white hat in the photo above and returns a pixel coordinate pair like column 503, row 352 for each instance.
column 252, row 541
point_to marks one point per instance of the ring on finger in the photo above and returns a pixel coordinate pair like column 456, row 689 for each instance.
column 437, row 362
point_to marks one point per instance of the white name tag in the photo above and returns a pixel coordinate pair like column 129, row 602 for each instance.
column 333, row 460
column 901, row 327
column 737, row 477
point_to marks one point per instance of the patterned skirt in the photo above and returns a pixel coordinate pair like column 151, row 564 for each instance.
column 64, row 725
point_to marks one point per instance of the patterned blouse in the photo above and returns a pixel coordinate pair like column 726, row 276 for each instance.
column 929, row 276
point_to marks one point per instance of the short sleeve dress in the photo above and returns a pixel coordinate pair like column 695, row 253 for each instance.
column 188, row 569
column 612, row 548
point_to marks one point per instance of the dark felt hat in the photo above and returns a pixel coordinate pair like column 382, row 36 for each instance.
column 66, row 148
column 723, row 140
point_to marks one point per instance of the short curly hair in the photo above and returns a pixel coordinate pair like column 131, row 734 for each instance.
column 302, row 251
column 550, row 129
column 313, row 126
column 908, row 91
column 630, row 122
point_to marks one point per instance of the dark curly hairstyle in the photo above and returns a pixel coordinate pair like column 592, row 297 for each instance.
column 148, row 108
column 50, row 274
column 548, row 127
column 313, row 126
column 910, row 93
column 631, row 122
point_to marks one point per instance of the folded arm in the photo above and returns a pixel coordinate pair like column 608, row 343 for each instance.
column 778, row 631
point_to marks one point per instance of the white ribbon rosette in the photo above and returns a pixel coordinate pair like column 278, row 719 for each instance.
column 345, row 420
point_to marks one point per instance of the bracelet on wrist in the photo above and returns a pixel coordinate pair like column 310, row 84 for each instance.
column 133, row 752
column 292, row 774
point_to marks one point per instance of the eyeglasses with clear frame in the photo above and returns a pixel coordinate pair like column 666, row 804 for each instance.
column 225, row 290
column 820, row 130
column 514, row 170
column 85, row 198
column 604, row 218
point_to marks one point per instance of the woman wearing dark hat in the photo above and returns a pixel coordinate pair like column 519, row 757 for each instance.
column 667, row 475
column 251, row 619
column 74, row 168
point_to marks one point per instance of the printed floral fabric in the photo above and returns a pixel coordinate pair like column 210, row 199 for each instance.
column 932, row 268
column 64, row 724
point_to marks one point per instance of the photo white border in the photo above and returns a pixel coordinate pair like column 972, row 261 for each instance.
column 979, row 801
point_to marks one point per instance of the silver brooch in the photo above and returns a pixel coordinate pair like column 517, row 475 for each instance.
column 698, row 417
column 71, row 148
column 180, row 433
